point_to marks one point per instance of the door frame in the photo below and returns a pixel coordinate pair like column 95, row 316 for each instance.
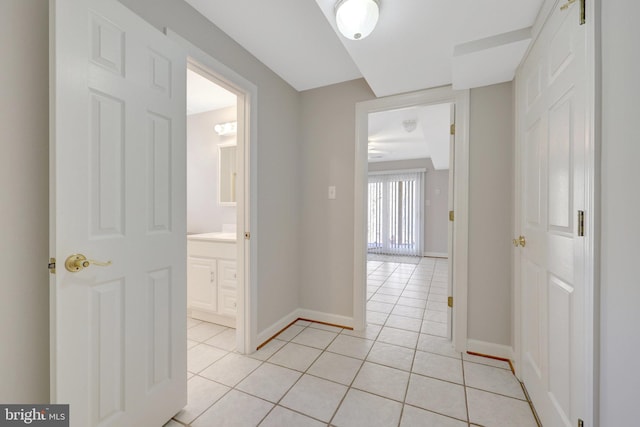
column 440, row 95
column 592, row 214
column 247, row 213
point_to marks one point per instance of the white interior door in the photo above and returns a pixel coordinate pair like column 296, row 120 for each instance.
column 118, row 332
column 552, row 90
column 450, row 200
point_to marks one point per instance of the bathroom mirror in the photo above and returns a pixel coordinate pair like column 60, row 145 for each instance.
column 227, row 174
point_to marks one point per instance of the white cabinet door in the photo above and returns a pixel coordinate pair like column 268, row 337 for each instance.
column 227, row 287
column 203, row 289
column 117, row 179
column 227, row 274
column 227, row 302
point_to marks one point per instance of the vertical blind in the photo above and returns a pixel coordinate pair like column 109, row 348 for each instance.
column 395, row 214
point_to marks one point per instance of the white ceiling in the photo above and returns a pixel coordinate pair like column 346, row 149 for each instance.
column 204, row 95
column 289, row 36
column 412, row 47
column 416, row 45
column 388, row 140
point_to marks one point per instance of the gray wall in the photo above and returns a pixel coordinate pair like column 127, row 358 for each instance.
column 620, row 232
column 278, row 154
column 204, row 214
column 436, row 219
column 24, row 201
column 491, row 146
column 327, row 155
column 327, row 158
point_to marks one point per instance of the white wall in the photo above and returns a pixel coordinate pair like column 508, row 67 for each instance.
column 620, row 229
column 204, row 214
column 278, row 154
column 24, row 202
column 491, row 177
column 327, row 158
column 436, row 211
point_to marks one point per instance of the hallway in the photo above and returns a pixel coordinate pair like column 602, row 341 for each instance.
column 401, row 371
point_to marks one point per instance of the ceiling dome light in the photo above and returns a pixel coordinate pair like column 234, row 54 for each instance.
column 356, row 19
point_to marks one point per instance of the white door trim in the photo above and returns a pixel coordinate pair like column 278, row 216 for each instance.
column 247, row 315
column 592, row 220
column 461, row 199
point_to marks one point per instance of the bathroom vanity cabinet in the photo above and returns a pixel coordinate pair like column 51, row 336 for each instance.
column 211, row 277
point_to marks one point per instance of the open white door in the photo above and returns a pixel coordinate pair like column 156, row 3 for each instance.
column 118, row 332
column 552, row 109
column 451, row 198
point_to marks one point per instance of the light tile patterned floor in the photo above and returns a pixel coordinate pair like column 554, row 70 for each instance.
column 400, row 371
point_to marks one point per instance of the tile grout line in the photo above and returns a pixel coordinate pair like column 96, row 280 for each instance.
column 325, row 349
column 305, row 372
column 464, row 384
column 230, row 388
column 413, row 359
column 350, row 386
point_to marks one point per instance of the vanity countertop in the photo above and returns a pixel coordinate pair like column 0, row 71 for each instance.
column 214, row 237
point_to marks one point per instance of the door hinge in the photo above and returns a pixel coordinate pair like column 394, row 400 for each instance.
column 452, row 129
column 451, row 215
column 583, row 9
column 247, row 235
column 52, row 265
column 450, row 301
column 580, row 423
column 581, row 223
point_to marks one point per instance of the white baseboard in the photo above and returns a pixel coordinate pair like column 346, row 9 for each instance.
column 277, row 327
column 320, row 316
column 436, row 254
column 298, row 313
column 490, row 349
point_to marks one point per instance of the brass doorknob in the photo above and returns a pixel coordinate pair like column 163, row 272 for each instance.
column 77, row 262
column 521, row 241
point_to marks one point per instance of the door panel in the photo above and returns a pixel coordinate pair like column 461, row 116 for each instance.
column 159, row 161
column 532, row 323
column 159, row 367
column 106, row 154
column 107, row 350
column 560, row 327
column 118, row 331
column 560, row 157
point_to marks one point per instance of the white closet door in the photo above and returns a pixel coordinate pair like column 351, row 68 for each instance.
column 551, row 104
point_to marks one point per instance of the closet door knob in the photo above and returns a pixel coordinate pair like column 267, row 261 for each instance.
column 520, row 241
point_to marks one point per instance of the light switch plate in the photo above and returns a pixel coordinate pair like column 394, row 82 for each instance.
column 332, row 192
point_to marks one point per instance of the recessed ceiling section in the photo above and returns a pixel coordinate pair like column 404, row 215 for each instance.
column 411, row 48
column 411, row 133
column 490, row 60
column 292, row 38
column 203, row 95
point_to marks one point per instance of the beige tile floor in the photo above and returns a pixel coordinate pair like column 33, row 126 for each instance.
column 400, row 371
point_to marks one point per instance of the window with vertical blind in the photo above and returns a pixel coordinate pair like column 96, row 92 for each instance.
column 395, row 214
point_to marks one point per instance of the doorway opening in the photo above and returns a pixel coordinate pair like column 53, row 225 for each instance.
column 245, row 187
column 409, row 163
column 381, row 282
column 212, row 194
